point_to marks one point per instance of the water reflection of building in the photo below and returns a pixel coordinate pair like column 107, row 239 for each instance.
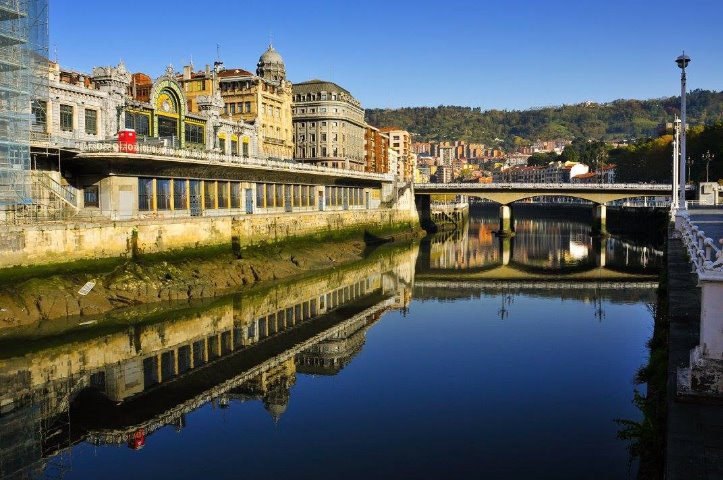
column 461, row 249
column 123, row 385
column 330, row 356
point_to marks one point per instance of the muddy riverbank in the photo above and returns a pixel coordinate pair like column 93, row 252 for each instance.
column 205, row 274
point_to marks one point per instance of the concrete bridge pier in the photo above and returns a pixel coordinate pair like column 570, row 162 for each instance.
column 424, row 209
column 599, row 220
column 506, row 222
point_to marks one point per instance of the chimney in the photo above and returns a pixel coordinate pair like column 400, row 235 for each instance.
column 208, row 70
column 187, row 72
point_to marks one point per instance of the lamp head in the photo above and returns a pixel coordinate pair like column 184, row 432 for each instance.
column 683, row 61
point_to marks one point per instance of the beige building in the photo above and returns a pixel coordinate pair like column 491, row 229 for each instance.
column 401, row 142
column 263, row 99
column 329, row 125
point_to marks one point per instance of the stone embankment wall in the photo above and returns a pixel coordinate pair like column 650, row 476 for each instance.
column 67, row 242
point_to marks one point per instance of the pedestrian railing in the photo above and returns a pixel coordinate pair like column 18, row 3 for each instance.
column 705, row 255
column 221, row 158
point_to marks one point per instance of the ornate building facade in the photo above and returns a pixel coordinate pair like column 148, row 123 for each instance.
column 263, row 99
column 329, row 125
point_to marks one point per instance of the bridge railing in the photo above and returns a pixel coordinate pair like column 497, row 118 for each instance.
column 643, row 187
column 706, row 256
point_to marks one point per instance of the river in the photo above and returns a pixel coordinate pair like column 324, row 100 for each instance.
column 460, row 356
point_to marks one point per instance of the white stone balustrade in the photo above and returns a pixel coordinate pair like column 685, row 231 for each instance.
column 704, row 376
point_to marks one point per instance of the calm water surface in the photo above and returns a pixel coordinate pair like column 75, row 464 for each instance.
column 465, row 356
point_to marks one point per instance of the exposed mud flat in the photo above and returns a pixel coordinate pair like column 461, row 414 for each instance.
column 145, row 282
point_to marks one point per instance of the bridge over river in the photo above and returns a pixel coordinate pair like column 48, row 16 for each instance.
column 508, row 193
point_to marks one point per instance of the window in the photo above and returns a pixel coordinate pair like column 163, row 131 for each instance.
column 40, row 114
column 232, row 108
column 145, row 192
column 260, row 195
column 179, row 194
column 235, row 195
column 323, row 124
column 138, row 122
column 323, row 137
column 279, row 195
column 90, row 196
column 323, row 151
column 247, row 107
column 209, row 192
column 234, row 147
column 222, row 145
column 195, row 134
column 335, row 137
column 297, row 195
column 269, row 195
column 91, row 122
column 163, row 194
column 302, row 138
column 222, row 194
column 312, row 137
column 245, row 146
column 66, row 118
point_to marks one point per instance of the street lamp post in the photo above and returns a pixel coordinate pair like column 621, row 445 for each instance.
column 676, row 163
column 707, row 157
column 682, row 62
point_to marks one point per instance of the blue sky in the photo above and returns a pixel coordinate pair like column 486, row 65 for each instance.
column 511, row 54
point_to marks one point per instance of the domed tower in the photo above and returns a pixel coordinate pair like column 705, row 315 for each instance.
column 271, row 66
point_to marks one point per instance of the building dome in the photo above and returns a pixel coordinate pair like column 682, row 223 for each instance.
column 271, row 65
column 271, row 56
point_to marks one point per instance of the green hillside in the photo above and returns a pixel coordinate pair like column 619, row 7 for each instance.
column 617, row 120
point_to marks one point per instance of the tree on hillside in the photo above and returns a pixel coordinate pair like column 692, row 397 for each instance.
column 541, row 159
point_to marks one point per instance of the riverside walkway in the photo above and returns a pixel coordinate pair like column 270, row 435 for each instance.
column 694, row 427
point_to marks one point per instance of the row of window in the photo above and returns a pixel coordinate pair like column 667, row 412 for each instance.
column 67, row 113
column 302, row 152
column 346, row 196
column 276, row 195
column 323, row 137
column 238, row 107
column 182, row 194
column 321, row 110
column 167, row 365
column 310, row 97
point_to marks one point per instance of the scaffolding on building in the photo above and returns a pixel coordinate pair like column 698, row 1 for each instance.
column 23, row 55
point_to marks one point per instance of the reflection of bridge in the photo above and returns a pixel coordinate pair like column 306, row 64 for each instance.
column 507, row 193
column 537, row 284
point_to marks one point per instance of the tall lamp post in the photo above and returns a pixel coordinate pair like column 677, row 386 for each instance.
column 682, row 62
column 707, row 157
column 676, row 166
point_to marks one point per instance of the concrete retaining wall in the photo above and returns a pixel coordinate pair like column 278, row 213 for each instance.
column 48, row 244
